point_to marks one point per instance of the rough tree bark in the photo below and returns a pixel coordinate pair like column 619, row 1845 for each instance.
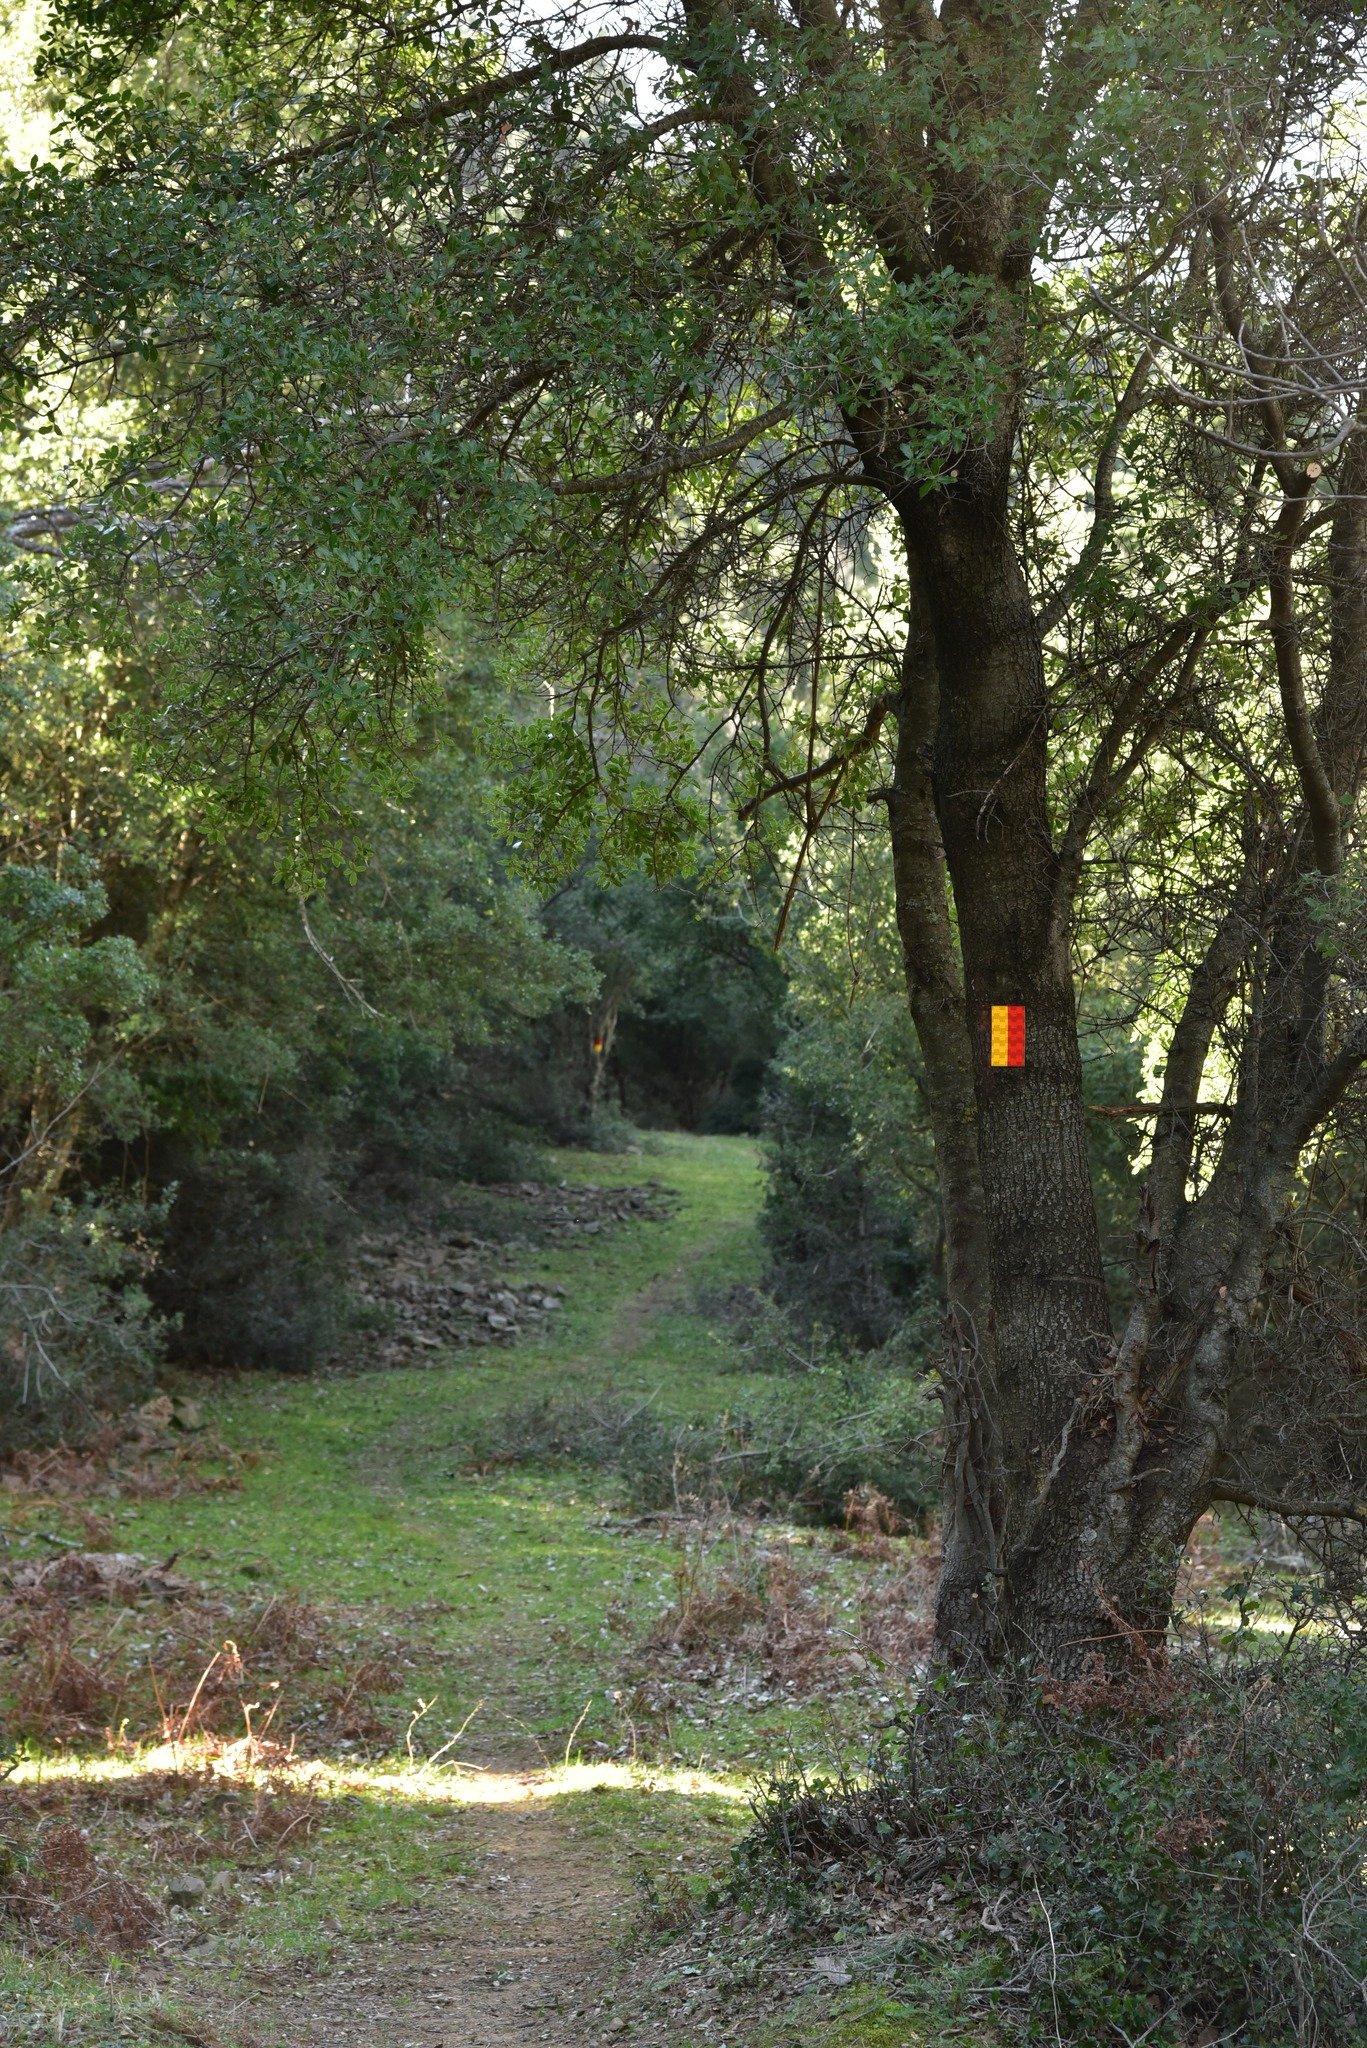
column 1081, row 1458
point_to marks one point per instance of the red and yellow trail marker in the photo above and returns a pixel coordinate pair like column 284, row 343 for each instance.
column 1008, row 1034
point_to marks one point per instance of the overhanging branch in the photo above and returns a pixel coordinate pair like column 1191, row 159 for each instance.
column 1289, row 1510
column 1104, row 508
column 473, row 100
column 835, row 764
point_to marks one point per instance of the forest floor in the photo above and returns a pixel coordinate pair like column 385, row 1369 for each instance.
column 324, row 1733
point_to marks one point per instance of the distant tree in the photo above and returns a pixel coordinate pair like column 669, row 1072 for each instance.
column 684, row 1020
column 949, row 408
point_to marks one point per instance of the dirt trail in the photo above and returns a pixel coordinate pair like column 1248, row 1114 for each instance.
column 519, row 1953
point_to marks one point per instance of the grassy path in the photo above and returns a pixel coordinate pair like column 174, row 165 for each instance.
column 462, row 1866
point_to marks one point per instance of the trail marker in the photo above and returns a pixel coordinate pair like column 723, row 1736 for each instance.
column 1008, row 1035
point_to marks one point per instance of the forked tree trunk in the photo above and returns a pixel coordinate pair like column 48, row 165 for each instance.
column 1077, row 1463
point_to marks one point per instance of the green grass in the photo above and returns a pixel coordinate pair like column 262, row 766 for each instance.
column 861, row 2020
column 507, row 1595
column 356, row 1498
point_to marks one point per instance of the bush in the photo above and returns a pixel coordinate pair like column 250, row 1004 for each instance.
column 251, row 1270
column 842, row 1423
column 849, row 1218
column 1175, row 1858
column 77, row 1332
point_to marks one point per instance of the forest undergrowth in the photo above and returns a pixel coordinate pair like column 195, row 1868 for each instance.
column 272, row 1646
column 266, row 1641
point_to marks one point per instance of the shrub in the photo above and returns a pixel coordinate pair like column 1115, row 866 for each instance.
column 817, row 1436
column 77, row 1332
column 1174, row 1858
column 250, row 1270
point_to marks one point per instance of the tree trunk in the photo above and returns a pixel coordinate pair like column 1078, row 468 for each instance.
column 1044, row 1562
column 602, row 1032
column 1077, row 1463
column 973, row 1481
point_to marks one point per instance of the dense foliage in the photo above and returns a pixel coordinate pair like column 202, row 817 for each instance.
column 1177, row 1859
column 190, row 1032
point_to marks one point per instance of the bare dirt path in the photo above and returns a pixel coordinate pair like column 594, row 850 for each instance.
column 522, row 1951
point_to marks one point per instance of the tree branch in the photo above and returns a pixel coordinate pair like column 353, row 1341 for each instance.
column 679, row 459
column 1187, row 637
column 1146, row 1109
column 351, row 989
column 1322, row 806
column 1103, row 497
column 472, row 101
column 1104, row 777
column 1289, row 1510
column 897, row 226
column 1319, row 1102
column 806, row 261
column 1208, row 994
column 835, row 764
column 1297, row 478
column 37, row 528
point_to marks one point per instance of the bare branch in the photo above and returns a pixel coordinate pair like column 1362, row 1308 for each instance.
column 1104, row 507
column 473, row 100
column 1147, row 1109
column 351, row 989
column 1289, row 1510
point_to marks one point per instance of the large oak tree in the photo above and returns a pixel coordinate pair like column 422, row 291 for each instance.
column 953, row 411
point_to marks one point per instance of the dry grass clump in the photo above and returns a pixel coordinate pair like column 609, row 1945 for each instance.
column 62, row 1892
column 349, row 1704
column 751, row 1611
column 107, row 1647
column 62, row 1695
column 290, row 1632
column 154, row 1452
column 67, row 1844
column 282, row 1811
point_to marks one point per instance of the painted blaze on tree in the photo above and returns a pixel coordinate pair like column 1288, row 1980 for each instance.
column 940, row 420
column 1007, row 1035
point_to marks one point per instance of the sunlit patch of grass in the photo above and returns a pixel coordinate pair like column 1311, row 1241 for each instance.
column 865, row 2019
column 418, row 1783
